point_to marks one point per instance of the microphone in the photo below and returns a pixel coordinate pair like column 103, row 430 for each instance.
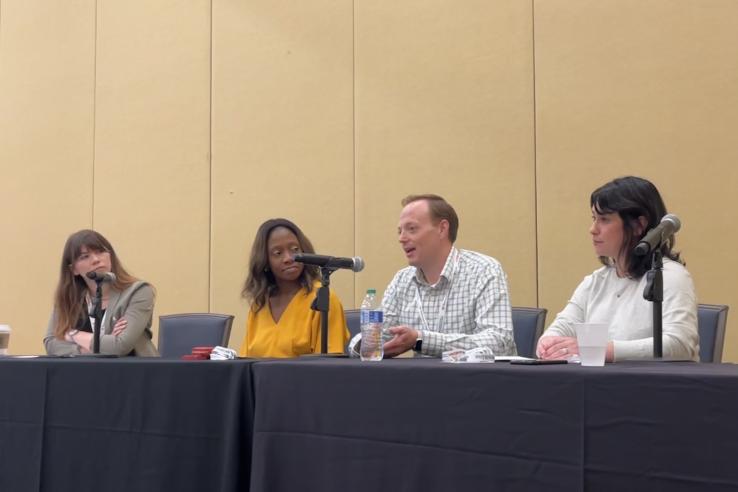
column 668, row 226
column 101, row 277
column 356, row 263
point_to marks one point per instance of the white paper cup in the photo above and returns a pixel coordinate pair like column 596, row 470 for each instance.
column 4, row 339
column 592, row 341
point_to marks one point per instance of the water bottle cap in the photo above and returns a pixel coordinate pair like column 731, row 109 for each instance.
column 371, row 291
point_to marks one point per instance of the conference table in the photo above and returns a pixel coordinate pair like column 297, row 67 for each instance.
column 425, row 425
column 339, row 424
column 128, row 424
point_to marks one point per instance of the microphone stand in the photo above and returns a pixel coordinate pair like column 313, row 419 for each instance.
column 321, row 304
column 97, row 315
column 654, row 292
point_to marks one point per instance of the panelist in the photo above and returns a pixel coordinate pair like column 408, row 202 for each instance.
column 281, row 322
column 623, row 211
column 447, row 298
column 127, row 303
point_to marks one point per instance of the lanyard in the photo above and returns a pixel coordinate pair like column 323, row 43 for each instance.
column 444, row 303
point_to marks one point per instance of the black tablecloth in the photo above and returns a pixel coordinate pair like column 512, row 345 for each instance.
column 337, row 424
column 124, row 425
column 414, row 425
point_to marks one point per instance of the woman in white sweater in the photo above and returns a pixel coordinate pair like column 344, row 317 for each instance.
column 623, row 211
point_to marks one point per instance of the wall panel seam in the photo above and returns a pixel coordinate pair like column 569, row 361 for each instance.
column 353, row 133
column 94, row 118
column 210, row 167
column 535, row 156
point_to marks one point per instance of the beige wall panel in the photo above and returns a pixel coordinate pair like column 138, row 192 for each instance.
column 152, row 193
column 282, row 135
column 444, row 104
column 645, row 88
column 46, row 115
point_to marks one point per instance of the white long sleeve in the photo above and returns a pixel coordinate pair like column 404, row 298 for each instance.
column 606, row 298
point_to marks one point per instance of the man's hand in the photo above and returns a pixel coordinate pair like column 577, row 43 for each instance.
column 404, row 340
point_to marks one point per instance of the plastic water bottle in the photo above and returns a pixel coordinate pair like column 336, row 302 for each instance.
column 372, row 320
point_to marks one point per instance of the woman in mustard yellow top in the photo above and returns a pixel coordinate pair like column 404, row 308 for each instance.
column 281, row 323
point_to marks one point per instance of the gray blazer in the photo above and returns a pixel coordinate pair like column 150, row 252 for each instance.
column 136, row 304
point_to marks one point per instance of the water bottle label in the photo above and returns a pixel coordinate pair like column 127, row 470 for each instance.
column 376, row 316
column 367, row 316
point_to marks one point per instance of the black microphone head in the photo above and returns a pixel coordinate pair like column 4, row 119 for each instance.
column 355, row 264
column 101, row 277
column 642, row 249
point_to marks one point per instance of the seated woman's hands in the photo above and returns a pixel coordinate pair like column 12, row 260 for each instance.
column 120, row 326
column 555, row 347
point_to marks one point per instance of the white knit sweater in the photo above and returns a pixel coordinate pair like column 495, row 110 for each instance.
column 604, row 297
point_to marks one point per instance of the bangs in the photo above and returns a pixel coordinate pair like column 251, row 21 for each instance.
column 601, row 202
column 91, row 240
column 610, row 199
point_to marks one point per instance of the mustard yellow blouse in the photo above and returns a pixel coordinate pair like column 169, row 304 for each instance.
column 298, row 330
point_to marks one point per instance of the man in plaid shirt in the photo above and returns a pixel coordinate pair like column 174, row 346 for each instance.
column 447, row 298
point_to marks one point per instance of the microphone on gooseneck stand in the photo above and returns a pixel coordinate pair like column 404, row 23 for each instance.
column 650, row 246
column 100, row 278
column 668, row 226
column 328, row 265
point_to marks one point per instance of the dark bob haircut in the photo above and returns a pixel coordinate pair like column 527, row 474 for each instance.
column 632, row 197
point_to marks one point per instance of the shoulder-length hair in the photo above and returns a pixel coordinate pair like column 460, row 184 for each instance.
column 69, row 299
column 260, row 283
column 632, row 197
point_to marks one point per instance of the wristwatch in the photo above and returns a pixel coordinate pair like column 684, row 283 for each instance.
column 419, row 342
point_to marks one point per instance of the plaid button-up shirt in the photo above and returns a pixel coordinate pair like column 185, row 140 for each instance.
column 468, row 307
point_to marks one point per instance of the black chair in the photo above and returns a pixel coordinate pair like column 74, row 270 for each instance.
column 527, row 328
column 179, row 333
column 353, row 321
column 711, row 320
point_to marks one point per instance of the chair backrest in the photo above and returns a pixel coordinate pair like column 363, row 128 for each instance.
column 528, row 325
column 178, row 333
column 711, row 320
column 353, row 320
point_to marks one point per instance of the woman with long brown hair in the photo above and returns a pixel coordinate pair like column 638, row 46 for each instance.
column 280, row 322
column 127, row 303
